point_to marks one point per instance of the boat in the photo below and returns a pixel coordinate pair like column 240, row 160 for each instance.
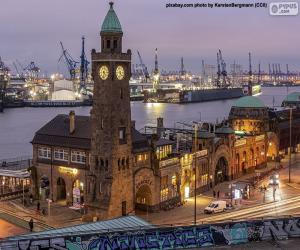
column 192, row 95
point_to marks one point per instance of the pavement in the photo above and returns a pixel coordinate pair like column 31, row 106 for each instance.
column 8, row 229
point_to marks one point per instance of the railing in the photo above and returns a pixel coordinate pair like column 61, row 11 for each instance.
column 16, row 163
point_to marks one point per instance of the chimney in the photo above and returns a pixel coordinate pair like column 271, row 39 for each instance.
column 72, row 121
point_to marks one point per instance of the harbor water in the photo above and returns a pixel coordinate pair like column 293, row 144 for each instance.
column 17, row 126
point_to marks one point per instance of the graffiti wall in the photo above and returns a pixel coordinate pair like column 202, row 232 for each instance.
column 170, row 238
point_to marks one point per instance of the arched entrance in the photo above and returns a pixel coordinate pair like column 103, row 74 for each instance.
column 143, row 197
column 61, row 189
column 44, row 187
column 221, row 170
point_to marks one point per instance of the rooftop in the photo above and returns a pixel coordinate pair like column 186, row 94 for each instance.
column 115, row 225
column 111, row 23
column 224, row 130
column 249, row 102
column 293, row 97
column 57, row 133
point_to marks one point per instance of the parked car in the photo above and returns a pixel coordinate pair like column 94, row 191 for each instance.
column 215, row 207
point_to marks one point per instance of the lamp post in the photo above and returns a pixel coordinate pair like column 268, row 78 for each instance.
column 290, row 151
column 195, row 166
column 23, row 191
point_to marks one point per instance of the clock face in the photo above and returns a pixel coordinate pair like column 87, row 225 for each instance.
column 120, row 73
column 103, row 72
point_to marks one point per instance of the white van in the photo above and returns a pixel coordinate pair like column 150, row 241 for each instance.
column 215, row 207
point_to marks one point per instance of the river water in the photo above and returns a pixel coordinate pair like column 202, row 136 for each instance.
column 17, row 126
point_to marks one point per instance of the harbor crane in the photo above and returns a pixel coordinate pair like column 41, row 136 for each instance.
column 225, row 81
column 219, row 71
column 250, row 76
column 84, row 63
column 182, row 70
column 70, row 62
column 144, row 68
column 156, row 74
column 32, row 70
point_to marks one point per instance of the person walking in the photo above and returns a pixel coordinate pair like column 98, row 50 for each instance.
column 31, row 225
column 38, row 207
column 218, row 194
column 214, row 194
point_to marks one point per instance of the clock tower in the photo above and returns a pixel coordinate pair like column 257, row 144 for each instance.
column 110, row 188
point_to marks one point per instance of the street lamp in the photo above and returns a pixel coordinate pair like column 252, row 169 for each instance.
column 290, row 151
column 195, row 184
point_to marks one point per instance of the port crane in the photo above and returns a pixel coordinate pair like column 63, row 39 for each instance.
column 84, row 63
column 156, row 74
column 182, row 70
column 33, row 70
column 250, row 76
column 70, row 62
column 222, row 71
column 143, row 66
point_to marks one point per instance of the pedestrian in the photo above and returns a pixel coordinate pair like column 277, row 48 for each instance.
column 31, row 198
column 218, row 194
column 214, row 193
column 31, row 225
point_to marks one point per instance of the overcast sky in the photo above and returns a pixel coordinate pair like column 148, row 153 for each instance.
column 31, row 30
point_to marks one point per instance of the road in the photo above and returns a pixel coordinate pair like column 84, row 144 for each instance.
column 287, row 202
column 273, row 209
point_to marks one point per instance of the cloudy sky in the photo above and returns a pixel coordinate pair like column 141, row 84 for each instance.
column 31, row 31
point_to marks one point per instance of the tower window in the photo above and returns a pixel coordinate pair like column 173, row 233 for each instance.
column 121, row 93
column 102, row 123
column 108, row 44
column 122, row 135
column 115, row 44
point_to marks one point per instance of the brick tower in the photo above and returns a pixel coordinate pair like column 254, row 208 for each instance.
column 110, row 189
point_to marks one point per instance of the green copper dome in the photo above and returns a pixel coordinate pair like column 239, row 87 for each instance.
column 249, row 102
column 111, row 22
column 293, row 97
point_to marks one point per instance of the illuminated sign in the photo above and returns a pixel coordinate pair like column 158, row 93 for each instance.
column 260, row 137
column 201, row 153
column 240, row 142
column 66, row 170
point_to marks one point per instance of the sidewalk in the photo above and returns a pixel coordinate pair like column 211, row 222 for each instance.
column 60, row 215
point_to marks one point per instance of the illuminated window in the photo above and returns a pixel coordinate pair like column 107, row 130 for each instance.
column 204, row 179
column 61, row 154
column 122, row 135
column 44, row 153
column 139, row 157
column 145, row 157
column 79, row 157
column 174, row 182
column 164, row 194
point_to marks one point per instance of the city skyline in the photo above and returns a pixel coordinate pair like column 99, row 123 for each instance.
column 195, row 34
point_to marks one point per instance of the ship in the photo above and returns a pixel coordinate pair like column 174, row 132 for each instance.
column 3, row 85
column 252, row 89
column 192, row 95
